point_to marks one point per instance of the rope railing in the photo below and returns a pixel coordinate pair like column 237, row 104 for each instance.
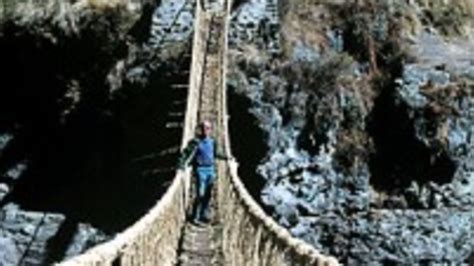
column 249, row 235
column 151, row 241
column 154, row 239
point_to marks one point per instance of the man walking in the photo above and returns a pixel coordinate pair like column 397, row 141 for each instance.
column 202, row 152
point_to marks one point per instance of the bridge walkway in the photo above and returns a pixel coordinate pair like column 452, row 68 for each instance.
column 240, row 233
column 200, row 245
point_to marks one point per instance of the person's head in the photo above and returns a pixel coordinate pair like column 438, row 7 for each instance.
column 206, row 128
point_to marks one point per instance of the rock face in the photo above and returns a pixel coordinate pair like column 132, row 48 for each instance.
column 13, row 173
column 9, row 254
column 173, row 21
column 440, row 111
column 257, row 22
column 368, row 120
column 85, row 237
column 27, row 237
column 68, row 126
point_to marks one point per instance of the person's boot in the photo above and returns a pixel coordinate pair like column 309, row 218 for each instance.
column 206, row 220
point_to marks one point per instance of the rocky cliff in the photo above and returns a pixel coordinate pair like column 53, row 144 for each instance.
column 84, row 109
column 366, row 110
column 359, row 121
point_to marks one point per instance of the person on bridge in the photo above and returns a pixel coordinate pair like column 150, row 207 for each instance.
column 203, row 152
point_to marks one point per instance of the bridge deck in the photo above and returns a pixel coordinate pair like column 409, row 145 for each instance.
column 240, row 232
column 201, row 245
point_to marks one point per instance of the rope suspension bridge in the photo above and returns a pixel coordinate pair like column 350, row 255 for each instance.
column 240, row 232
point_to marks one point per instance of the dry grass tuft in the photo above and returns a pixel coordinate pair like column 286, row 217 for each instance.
column 106, row 4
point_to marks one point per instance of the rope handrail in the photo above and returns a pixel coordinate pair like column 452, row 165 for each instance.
column 288, row 249
column 249, row 235
column 138, row 245
column 119, row 247
column 264, row 227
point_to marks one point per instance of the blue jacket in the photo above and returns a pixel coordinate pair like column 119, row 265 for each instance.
column 203, row 151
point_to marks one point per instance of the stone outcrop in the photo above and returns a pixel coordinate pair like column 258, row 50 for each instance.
column 172, row 22
column 368, row 123
column 256, row 22
column 70, row 61
column 27, row 237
